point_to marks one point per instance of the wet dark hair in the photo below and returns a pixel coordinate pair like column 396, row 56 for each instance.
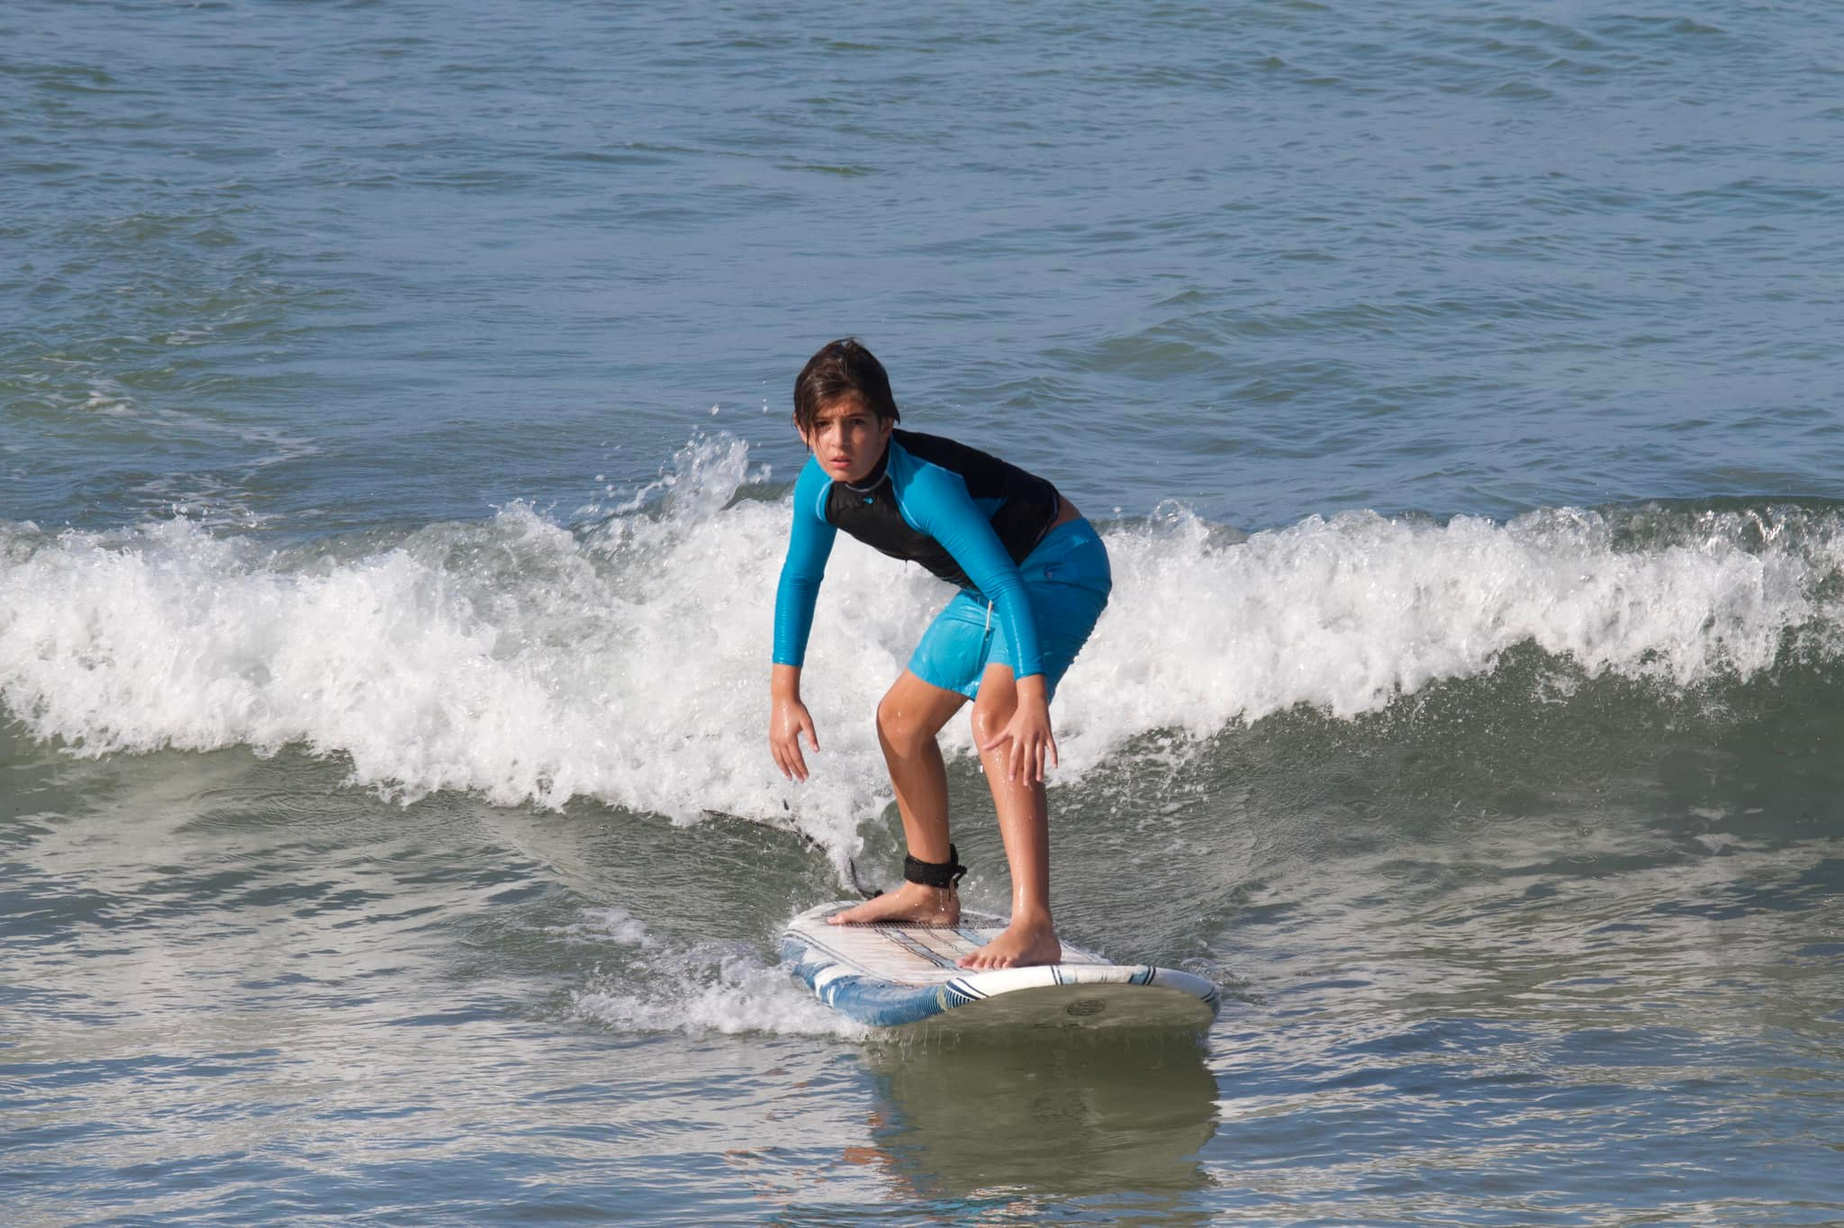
column 842, row 368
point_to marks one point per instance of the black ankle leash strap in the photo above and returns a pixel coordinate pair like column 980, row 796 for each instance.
column 935, row 873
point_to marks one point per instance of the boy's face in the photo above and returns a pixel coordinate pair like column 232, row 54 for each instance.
column 847, row 439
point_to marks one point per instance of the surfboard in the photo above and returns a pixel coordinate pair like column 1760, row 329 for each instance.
column 904, row 975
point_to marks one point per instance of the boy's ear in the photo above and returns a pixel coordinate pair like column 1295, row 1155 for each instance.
column 795, row 419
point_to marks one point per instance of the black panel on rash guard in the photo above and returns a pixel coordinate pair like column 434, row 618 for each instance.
column 869, row 511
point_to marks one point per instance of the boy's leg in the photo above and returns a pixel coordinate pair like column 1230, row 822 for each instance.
column 1024, row 826
column 909, row 717
column 911, row 713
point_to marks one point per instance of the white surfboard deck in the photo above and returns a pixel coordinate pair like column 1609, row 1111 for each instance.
column 904, row 975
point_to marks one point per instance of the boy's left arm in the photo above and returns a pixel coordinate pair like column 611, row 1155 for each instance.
column 952, row 518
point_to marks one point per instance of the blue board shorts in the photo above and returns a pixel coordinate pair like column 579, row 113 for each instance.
column 1067, row 579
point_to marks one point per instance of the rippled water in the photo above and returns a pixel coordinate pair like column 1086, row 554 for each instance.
column 393, row 474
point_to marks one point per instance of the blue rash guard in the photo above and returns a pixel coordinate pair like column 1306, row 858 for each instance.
column 968, row 517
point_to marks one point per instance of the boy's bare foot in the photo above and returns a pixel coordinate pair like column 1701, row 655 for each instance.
column 1023, row 943
column 910, row 902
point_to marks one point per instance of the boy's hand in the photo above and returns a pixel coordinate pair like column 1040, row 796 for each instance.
column 788, row 718
column 785, row 725
column 1029, row 733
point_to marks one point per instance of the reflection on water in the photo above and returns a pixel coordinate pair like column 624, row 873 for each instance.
column 1074, row 1115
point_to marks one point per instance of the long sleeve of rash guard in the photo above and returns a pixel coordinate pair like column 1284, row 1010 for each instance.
column 810, row 540
column 936, row 501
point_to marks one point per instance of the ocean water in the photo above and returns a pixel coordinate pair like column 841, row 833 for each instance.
column 394, row 471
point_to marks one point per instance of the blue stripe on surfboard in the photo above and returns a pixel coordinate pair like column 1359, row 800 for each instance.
column 878, row 1004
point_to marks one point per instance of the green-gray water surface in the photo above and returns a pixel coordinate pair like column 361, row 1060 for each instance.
column 393, row 477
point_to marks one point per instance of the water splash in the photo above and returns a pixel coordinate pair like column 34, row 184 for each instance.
column 625, row 660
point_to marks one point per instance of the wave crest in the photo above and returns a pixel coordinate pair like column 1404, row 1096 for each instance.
column 625, row 660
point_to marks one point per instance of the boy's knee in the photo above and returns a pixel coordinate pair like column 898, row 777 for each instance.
column 897, row 728
column 989, row 718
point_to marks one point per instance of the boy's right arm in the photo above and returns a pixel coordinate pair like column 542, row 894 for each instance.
column 810, row 539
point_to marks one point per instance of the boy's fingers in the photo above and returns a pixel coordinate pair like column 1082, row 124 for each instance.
column 789, row 760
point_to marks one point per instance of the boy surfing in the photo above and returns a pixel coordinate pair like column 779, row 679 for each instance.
column 1033, row 579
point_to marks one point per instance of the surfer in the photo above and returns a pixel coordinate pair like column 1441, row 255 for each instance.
column 1033, row 579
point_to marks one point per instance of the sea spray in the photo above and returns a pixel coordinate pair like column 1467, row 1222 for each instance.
column 1348, row 614
column 623, row 659
column 653, row 983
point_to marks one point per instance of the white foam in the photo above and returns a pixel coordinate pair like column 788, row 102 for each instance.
column 602, row 926
column 110, row 400
column 1348, row 614
column 628, row 662
column 662, row 986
